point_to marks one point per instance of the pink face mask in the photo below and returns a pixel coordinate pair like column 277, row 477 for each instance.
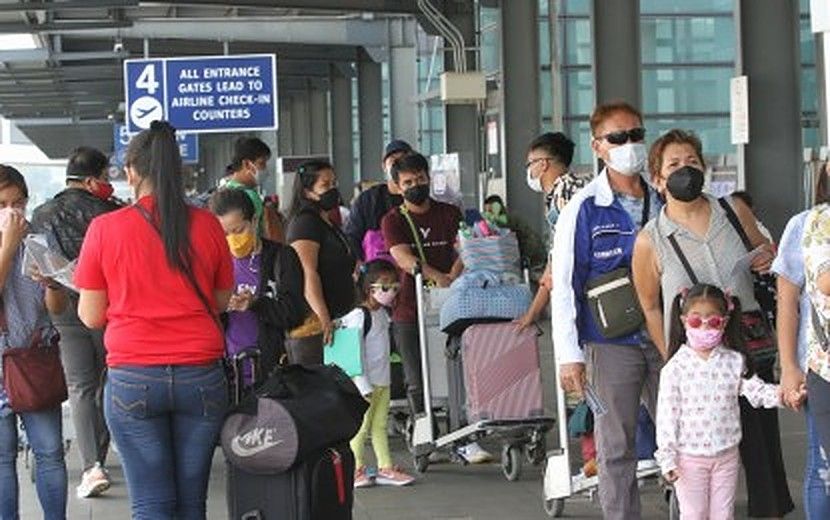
column 385, row 297
column 703, row 339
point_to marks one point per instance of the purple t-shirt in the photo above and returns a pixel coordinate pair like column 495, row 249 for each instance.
column 242, row 331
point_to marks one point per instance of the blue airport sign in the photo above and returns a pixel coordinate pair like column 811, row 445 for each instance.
column 188, row 146
column 202, row 94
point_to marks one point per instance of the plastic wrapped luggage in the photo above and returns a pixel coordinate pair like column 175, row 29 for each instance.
column 496, row 253
column 502, row 378
column 481, row 296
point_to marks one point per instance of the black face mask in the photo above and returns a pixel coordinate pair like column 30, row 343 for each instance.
column 417, row 194
column 685, row 184
column 329, row 200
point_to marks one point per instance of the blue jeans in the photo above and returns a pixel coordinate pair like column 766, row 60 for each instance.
column 165, row 421
column 43, row 429
column 816, row 475
column 646, row 438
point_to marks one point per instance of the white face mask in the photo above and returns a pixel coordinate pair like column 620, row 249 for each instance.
column 259, row 175
column 628, row 159
column 534, row 183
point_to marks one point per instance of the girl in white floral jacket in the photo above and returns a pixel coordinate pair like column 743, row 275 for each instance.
column 698, row 417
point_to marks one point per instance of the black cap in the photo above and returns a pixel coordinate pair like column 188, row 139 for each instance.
column 398, row 145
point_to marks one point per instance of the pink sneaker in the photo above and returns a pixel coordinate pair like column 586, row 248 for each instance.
column 393, row 477
column 361, row 479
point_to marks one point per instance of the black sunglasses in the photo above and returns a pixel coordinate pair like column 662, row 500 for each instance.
column 634, row 135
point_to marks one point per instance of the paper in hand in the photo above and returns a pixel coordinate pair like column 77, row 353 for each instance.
column 744, row 263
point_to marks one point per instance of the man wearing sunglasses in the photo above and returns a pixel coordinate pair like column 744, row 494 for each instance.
column 595, row 236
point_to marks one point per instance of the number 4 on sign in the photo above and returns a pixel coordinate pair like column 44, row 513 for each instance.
column 147, row 80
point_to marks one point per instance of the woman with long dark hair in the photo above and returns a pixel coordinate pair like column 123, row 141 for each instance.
column 156, row 274
column 698, row 238
column 325, row 254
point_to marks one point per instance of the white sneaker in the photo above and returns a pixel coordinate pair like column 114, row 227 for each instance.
column 475, row 454
column 94, row 481
column 646, row 465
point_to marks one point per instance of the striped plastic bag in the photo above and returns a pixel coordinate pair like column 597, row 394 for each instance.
column 499, row 253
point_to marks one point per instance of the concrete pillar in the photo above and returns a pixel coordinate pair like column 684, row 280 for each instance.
column 771, row 59
column 461, row 122
column 403, row 80
column 370, row 99
column 520, row 103
column 319, row 121
column 342, row 153
column 286, row 145
column 301, row 123
column 615, row 41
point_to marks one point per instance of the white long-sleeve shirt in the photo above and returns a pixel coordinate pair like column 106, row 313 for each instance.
column 697, row 405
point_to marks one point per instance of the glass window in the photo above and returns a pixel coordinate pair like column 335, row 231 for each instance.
column 805, row 6
column 714, row 132
column 686, row 89
column 546, row 93
column 490, row 50
column 577, row 41
column 809, row 89
column 673, row 40
column 579, row 131
column 544, row 42
column 686, row 6
column 580, row 7
column 811, row 137
column 543, row 7
column 580, row 92
column 808, row 42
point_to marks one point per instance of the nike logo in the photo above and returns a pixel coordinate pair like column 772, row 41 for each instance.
column 253, row 442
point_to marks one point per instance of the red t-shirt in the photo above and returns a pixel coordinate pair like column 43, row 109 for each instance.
column 438, row 229
column 154, row 315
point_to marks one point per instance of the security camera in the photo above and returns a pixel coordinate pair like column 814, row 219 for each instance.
column 118, row 47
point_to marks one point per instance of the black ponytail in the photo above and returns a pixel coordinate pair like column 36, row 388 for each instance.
column 677, row 332
column 154, row 156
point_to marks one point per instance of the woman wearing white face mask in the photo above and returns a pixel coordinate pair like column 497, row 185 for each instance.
column 548, row 158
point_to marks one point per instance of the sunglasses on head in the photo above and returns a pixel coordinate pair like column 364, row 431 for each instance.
column 695, row 321
column 385, row 287
column 635, row 135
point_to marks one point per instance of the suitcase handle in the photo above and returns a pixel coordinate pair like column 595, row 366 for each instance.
column 256, row 514
column 252, row 356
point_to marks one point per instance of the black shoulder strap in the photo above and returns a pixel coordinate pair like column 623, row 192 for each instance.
column 683, row 260
column 191, row 279
column 646, row 203
column 736, row 223
column 367, row 320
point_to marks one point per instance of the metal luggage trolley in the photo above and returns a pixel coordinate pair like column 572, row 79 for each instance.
column 560, row 483
column 522, row 439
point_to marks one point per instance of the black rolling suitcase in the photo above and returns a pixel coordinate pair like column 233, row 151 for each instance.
column 320, row 488
column 314, row 490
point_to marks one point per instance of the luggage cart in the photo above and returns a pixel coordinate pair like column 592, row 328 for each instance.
column 560, row 483
column 521, row 438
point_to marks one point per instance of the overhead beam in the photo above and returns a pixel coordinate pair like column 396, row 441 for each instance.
column 383, row 6
column 63, row 27
column 43, row 54
column 37, row 5
column 296, row 30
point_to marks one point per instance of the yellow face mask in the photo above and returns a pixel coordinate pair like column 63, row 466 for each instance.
column 241, row 244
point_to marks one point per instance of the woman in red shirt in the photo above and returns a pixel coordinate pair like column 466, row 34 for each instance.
column 156, row 274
